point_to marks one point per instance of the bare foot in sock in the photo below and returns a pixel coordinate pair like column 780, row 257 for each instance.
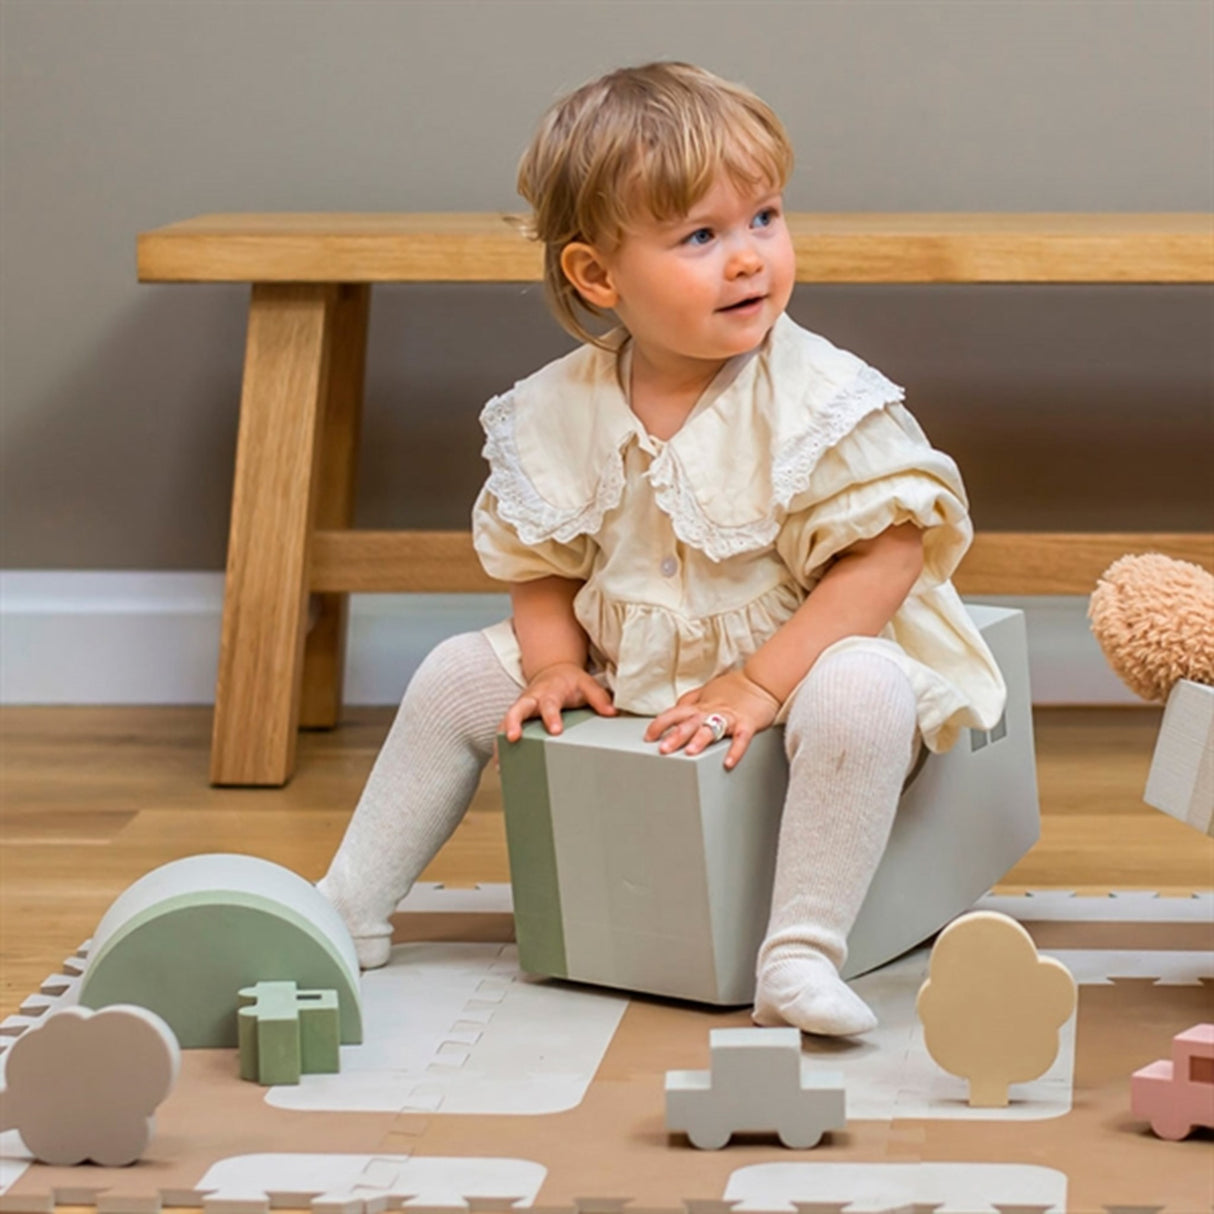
column 372, row 947
column 807, row 993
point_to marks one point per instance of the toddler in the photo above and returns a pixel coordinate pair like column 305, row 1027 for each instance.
column 708, row 515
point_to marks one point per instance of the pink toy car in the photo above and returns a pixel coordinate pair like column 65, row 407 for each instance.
column 1177, row 1094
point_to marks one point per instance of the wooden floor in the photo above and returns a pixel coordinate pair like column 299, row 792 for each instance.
column 92, row 798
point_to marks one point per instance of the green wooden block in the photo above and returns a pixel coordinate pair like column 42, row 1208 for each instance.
column 319, row 1033
column 284, row 1032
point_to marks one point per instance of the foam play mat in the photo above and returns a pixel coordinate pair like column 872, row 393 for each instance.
column 476, row 1085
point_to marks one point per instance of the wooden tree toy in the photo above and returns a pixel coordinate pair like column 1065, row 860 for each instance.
column 991, row 1007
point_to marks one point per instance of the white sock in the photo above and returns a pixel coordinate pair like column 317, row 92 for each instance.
column 420, row 787
column 850, row 739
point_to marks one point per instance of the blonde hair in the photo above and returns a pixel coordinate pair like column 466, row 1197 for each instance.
column 646, row 140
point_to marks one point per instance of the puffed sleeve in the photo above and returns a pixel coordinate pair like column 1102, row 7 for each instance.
column 505, row 557
column 882, row 473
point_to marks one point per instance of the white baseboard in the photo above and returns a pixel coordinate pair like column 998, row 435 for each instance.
column 153, row 638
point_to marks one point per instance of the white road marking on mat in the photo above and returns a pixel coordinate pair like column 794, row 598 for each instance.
column 948, row 1188
column 457, row 1028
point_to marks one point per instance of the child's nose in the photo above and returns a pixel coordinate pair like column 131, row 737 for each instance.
column 744, row 259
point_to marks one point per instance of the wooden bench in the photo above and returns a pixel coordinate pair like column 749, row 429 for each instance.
column 293, row 557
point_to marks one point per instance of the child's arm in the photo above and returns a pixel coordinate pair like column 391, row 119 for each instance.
column 554, row 650
column 545, row 625
column 858, row 596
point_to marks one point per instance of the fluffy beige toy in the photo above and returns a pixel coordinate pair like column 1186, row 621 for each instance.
column 1154, row 619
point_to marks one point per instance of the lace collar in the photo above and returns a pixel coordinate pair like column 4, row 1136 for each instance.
column 555, row 441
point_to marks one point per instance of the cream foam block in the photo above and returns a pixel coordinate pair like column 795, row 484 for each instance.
column 1181, row 779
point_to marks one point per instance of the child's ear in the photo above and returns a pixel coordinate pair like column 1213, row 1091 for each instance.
column 585, row 268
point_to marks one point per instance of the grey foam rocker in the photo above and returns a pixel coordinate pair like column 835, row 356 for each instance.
column 653, row 873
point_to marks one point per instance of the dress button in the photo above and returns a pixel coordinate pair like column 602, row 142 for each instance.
column 669, row 567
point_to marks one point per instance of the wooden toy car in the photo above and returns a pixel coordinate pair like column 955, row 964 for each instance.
column 1176, row 1094
column 759, row 1081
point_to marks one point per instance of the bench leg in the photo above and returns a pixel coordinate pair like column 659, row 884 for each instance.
column 325, row 648
column 273, row 500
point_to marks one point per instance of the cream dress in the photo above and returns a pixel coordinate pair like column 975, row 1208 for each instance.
column 695, row 550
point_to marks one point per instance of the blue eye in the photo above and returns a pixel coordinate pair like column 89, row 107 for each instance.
column 765, row 218
column 700, row 236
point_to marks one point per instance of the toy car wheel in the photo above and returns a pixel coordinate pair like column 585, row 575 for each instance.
column 709, row 1138
column 799, row 1139
column 1171, row 1128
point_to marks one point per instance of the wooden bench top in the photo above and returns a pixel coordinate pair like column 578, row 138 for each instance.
column 917, row 247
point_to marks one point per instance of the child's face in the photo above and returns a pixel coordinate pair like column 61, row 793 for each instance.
column 707, row 287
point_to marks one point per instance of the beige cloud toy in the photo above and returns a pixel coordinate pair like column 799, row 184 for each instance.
column 83, row 1085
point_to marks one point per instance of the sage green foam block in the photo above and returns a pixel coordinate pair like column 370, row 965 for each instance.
column 539, row 927
column 653, row 873
column 185, row 938
column 284, row 1032
column 658, row 866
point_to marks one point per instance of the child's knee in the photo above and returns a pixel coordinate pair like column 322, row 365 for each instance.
column 852, row 701
column 460, row 690
column 437, row 667
column 466, row 658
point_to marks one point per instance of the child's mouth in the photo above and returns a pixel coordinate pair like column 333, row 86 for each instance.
column 745, row 305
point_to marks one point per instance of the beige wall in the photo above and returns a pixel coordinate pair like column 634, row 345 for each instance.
column 1083, row 407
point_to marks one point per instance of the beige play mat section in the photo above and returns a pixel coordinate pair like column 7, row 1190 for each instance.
column 478, row 1086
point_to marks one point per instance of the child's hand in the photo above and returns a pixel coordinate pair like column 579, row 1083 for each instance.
column 746, row 707
column 562, row 685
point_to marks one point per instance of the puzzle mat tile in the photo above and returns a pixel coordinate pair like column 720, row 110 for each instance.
column 330, row 1178
column 1072, row 1128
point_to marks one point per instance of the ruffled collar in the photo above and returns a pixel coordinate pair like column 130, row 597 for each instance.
column 555, row 441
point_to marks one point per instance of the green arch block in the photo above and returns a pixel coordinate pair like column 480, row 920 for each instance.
column 186, row 955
